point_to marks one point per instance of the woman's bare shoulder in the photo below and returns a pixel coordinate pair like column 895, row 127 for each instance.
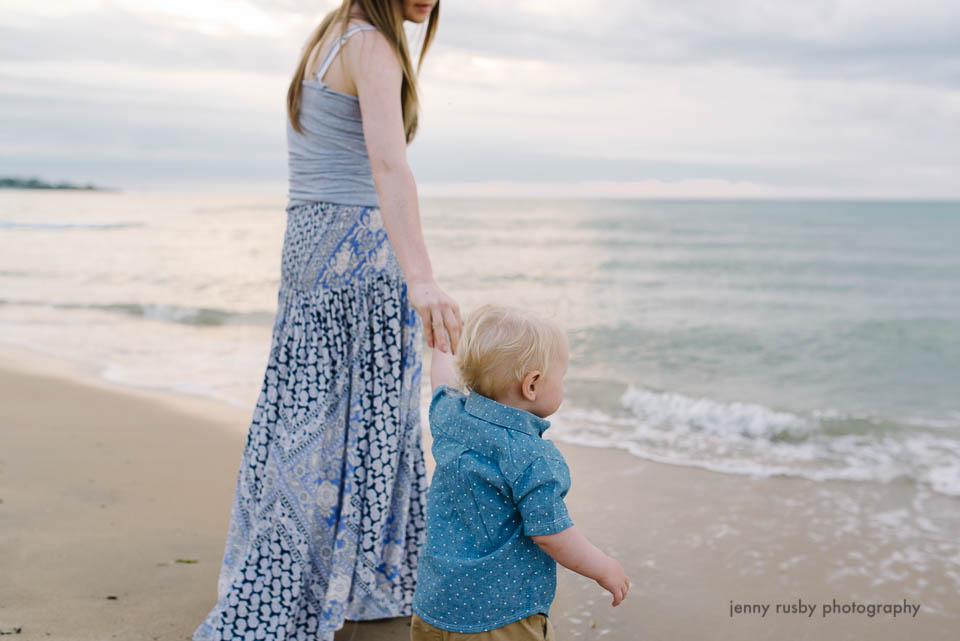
column 369, row 49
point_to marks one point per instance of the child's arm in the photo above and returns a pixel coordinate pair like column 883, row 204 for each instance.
column 572, row 550
column 442, row 369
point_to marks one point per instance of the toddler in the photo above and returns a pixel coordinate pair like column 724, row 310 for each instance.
column 496, row 521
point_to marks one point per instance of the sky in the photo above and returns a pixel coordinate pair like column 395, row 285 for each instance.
column 621, row 98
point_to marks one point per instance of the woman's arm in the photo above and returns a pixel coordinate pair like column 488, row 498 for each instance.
column 378, row 77
column 573, row 551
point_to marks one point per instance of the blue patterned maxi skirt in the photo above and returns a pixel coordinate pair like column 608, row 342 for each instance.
column 328, row 513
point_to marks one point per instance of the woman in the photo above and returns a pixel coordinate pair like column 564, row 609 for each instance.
column 328, row 515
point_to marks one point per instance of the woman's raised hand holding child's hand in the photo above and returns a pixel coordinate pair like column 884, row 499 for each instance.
column 439, row 313
column 614, row 580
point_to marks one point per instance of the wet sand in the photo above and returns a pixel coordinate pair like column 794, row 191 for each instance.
column 115, row 505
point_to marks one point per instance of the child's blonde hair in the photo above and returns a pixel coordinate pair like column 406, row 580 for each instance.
column 500, row 344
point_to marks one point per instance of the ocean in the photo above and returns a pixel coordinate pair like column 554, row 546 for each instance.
column 803, row 338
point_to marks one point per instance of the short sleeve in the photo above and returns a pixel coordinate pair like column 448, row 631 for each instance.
column 442, row 396
column 538, row 493
column 439, row 391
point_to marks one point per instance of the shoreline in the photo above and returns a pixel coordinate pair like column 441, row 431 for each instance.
column 104, row 487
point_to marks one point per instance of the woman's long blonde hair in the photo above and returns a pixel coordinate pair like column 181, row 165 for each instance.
column 387, row 17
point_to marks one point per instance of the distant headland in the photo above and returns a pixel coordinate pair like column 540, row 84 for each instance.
column 36, row 183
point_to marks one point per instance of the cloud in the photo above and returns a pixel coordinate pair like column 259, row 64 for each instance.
column 149, row 40
column 910, row 42
column 836, row 96
column 654, row 121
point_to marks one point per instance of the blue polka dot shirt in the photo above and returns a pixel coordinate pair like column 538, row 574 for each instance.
column 496, row 484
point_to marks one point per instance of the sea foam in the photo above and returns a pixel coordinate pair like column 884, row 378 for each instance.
column 751, row 439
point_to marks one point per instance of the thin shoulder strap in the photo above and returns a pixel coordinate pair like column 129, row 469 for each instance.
column 328, row 60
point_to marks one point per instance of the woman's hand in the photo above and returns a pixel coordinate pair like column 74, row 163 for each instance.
column 440, row 314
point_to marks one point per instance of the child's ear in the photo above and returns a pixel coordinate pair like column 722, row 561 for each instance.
column 528, row 386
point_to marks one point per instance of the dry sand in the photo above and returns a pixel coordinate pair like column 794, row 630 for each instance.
column 103, row 490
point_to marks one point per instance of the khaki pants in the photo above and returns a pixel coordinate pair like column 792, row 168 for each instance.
column 535, row 627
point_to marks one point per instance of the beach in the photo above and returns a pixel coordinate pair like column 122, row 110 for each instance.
column 752, row 255
column 115, row 504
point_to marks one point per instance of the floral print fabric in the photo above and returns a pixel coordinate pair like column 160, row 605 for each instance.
column 328, row 513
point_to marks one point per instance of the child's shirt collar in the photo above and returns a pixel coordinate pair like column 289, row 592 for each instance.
column 512, row 418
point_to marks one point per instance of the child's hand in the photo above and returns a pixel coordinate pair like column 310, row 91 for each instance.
column 442, row 369
column 572, row 550
column 614, row 580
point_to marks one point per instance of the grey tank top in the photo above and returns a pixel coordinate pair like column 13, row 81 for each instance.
column 329, row 161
